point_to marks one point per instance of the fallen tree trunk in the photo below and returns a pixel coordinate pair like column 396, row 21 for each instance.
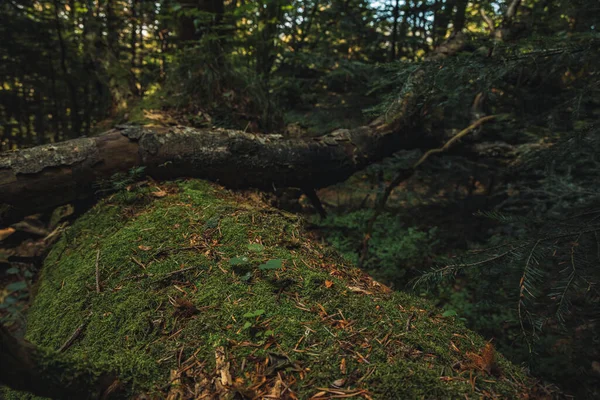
column 24, row 366
column 46, row 176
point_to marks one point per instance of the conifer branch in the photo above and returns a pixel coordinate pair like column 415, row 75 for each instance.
column 407, row 173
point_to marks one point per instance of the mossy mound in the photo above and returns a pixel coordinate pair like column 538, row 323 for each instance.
column 204, row 294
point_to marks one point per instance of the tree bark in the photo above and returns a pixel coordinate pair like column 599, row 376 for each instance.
column 460, row 17
column 187, row 29
column 442, row 18
column 75, row 117
column 23, row 366
column 46, row 176
column 395, row 16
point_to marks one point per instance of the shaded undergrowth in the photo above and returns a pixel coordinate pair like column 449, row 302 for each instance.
column 203, row 293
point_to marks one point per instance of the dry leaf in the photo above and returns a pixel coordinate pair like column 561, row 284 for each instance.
column 4, row 254
column 357, row 289
column 3, row 295
column 183, row 307
column 596, row 367
column 31, row 225
column 4, row 233
column 222, row 366
column 159, row 194
column 144, row 248
column 277, row 387
column 328, row 284
column 59, row 214
column 484, row 362
column 176, row 391
column 338, row 383
column 488, row 355
column 31, row 248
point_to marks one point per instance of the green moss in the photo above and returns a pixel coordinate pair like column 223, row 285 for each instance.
column 148, row 110
column 313, row 322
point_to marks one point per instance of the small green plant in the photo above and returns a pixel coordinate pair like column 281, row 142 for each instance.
column 120, row 181
column 254, row 330
column 14, row 297
column 271, row 264
column 238, row 261
column 256, row 247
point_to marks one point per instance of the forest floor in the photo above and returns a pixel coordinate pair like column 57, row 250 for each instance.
column 294, row 319
column 430, row 218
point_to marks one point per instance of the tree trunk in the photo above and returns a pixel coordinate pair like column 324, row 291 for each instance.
column 395, row 16
column 133, row 81
column 75, row 117
column 48, row 374
column 443, row 14
column 187, row 29
column 270, row 17
column 460, row 17
column 112, row 29
column 45, row 176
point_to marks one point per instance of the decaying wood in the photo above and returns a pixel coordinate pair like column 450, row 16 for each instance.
column 46, row 176
column 43, row 373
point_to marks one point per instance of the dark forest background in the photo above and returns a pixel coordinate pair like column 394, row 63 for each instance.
column 501, row 231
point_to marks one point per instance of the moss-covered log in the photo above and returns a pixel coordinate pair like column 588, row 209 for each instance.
column 204, row 294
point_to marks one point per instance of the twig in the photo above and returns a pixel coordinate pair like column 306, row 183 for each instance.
column 407, row 173
column 315, row 201
column 179, row 271
column 546, row 53
column 454, row 139
column 138, row 262
column 159, row 277
column 73, row 337
column 409, row 321
column 133, row 277
column 97, row 271
column 173, row 250
column 488, row 21
column 512, row 10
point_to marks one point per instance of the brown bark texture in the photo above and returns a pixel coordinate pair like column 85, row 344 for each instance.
column 43, row 177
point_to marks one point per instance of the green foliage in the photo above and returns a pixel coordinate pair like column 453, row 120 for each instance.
column 536, row 296
column 75, row 66
column 259, row 65
column 256, row 247
column 396, row 250
column 505, row 80
column 120, row 181
column 535, row 288
column 229, row 92
column 271, row 264
column 539, row 273
column 69, row 65
column 15, row 295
